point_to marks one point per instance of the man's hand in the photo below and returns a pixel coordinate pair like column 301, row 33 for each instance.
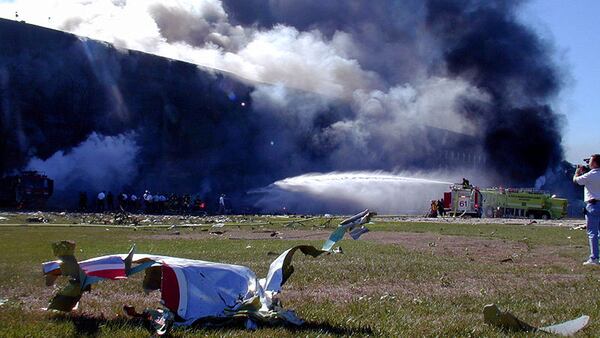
column 580, row 171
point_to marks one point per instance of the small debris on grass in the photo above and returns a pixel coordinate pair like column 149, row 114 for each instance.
column 37, row 219
column 506, row 321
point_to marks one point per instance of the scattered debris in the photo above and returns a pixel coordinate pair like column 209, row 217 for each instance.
column 507, row 321
column 3, row 301
column 37, row 219
column 507, row 260
column 218, row 225
column 580, row 227
column 191, row 290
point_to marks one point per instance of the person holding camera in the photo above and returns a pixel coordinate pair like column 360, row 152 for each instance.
column 589, row 177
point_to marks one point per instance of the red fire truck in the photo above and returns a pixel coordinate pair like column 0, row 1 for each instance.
column 463, row 200
column 30, row 189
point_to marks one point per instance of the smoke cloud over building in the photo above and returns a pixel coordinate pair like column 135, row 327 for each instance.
column 270, row 89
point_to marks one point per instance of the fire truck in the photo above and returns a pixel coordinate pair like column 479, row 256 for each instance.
column 463, row 200
column 517, row 203
column 30, row 189
column 467, row 200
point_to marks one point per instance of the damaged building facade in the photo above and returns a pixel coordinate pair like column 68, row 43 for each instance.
column 97, row 117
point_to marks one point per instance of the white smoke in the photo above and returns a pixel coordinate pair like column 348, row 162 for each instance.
column 289, row 66
column 98, row 163
column 346, row 192
column 199, row 32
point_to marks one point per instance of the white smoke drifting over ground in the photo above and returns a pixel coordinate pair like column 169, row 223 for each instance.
column 387, row 193
column 98, row 163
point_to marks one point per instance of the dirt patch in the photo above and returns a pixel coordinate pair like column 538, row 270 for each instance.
column 470, row 248
column 475, row 249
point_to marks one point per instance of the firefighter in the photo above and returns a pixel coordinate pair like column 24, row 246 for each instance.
column 100, row 201
column 433, row 209
column 123, row 200
column 147, row 202
column 440, row 208
column 134, row 203
column 466, row 184
column 222, row 209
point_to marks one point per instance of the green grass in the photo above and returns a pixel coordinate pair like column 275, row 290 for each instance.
column 531, row 234
column 372, row 289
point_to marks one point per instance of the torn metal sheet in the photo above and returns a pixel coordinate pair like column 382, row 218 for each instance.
column 350, row 225
column 191, row 290
column 507, row 321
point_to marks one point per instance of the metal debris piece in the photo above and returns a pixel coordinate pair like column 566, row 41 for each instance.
column 508, row 322
column 349, row 225
column 191, row 290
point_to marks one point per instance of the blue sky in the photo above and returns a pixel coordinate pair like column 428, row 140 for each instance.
column 575, row 30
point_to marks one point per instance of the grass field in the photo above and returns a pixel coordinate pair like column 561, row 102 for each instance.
column 401, row 279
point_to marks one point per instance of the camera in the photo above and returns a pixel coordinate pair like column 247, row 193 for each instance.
column 585, row 168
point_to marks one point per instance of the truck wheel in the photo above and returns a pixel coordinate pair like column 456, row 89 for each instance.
column 489, row 212
column 545, row 216
column 531, row 215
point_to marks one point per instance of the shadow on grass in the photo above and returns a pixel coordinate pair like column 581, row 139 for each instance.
column 89, row 325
